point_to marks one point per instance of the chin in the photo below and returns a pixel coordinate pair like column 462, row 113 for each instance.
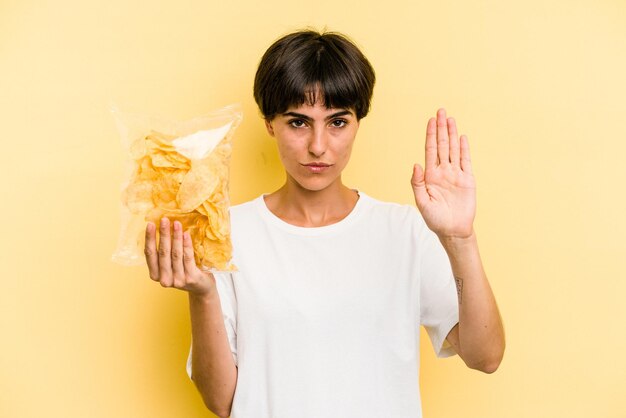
column 314, row 185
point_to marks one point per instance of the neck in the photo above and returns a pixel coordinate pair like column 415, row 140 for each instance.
column 309, row 208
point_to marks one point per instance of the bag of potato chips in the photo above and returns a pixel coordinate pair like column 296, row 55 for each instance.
column 179, row 170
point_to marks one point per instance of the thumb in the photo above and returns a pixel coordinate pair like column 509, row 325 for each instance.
column 419, row 186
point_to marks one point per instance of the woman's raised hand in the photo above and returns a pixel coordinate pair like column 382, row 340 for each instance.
column 445, row 192
column 173, row 263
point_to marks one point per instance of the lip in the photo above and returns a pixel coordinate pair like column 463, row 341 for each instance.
column 317, row 167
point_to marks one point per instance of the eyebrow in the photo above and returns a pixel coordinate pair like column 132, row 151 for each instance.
column 308, row 118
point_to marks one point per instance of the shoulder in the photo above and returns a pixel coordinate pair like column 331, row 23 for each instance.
column 393, row 211
column 245, row 210
column 245, row 206
column 398, row 219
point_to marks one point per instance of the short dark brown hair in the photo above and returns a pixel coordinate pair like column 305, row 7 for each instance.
column 302, row 65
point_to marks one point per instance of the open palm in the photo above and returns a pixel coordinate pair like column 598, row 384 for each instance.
column 445, row 191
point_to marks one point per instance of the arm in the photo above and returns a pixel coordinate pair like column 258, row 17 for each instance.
column 445, row 194
column 213, row 368
column 478, row 338
column 173, row 265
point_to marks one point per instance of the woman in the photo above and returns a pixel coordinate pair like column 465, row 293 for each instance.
column 322, row 319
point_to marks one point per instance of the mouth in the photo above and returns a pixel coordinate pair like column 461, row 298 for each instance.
column 317, row 167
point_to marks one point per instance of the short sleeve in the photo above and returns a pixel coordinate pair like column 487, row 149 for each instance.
column 228, row 301
column 439, row 306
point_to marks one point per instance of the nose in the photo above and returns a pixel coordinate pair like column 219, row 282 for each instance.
column 318, row 142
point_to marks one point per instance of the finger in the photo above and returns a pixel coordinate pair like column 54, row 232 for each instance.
column 419, row 186
column 189, row 261
column 151, row 252
column 431, row 143
column 466, row 162
column 165, row 260
column 454, row 143
column 443, row 144
column 178, row 270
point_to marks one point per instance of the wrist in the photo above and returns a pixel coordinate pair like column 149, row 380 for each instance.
column 203, row 298
column 458, row 243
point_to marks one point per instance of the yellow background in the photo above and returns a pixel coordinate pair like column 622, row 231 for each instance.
column 538, row 86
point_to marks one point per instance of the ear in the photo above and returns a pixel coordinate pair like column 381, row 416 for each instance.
column 268, row 126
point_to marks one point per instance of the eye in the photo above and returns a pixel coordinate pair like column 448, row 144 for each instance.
column 297, row 123
column 339, row 123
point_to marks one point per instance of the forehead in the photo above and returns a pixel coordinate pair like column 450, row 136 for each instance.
column 317, row 109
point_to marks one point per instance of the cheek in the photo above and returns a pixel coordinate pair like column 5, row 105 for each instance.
column 343, row 152
column 286, row 149
column 288, row 152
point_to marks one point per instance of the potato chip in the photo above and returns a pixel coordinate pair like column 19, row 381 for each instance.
column 198, row 185
column 166, row 183
column 138, row 196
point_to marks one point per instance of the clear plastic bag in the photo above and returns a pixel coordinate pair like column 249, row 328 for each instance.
column 179, row 170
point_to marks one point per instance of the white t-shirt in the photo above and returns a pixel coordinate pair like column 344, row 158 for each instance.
column 324, row 322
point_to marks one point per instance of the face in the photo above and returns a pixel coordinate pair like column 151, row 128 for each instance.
column 314, row 143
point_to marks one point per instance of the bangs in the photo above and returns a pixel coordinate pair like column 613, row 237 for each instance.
column 320, row 78
column 308, row 68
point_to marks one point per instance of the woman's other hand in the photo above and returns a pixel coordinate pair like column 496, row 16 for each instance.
column 445, row 192
column 173, row 264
